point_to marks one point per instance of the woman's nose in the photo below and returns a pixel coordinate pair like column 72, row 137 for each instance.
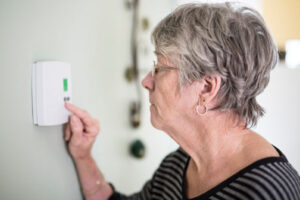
column 147, row 82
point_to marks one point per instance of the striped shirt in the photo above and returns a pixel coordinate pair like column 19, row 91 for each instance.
column 270, row 178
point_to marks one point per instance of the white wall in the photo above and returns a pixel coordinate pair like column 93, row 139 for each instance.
column 281, row 100
column 94, row 36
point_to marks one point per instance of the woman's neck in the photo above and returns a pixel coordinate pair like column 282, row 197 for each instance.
column 210, row 140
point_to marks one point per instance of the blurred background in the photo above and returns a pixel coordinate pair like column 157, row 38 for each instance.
column 95, row 37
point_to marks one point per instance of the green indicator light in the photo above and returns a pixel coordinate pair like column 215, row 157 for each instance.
column 65, row 85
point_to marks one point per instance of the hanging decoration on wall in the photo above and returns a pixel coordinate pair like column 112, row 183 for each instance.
column 136, row 148
column 132, row 72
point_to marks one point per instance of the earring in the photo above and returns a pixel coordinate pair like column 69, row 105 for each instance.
column 198, row 110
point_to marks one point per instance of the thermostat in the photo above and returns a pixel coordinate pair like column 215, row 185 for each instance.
column 51, row 88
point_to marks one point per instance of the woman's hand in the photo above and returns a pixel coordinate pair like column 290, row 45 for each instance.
column 80, row 132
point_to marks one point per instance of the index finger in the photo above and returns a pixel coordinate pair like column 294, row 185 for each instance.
column 81, row 114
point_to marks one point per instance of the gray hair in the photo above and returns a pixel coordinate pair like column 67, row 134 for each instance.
column 234, row 43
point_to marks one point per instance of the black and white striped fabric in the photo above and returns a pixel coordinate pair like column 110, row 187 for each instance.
column 267, row 179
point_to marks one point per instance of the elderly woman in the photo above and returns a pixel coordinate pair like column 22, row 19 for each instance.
column 212, row 62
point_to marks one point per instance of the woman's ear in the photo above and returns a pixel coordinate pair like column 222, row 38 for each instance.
column 210, row 87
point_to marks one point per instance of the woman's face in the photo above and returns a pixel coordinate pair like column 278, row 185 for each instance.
column 168, row 103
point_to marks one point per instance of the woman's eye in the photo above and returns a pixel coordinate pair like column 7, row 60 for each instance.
column 156, row 71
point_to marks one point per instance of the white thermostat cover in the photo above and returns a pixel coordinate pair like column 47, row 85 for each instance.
column 51, row 87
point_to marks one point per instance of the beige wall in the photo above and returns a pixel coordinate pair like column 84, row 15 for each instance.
column 283, row 19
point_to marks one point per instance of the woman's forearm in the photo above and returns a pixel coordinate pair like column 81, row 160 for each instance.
column 93, row 184
column 81, row 132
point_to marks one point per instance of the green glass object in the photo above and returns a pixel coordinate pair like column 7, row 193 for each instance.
column 137, row 149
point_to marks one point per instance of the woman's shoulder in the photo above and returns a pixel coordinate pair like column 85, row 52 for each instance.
column 267, row 178
column 272, row 175
column 254, row 148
